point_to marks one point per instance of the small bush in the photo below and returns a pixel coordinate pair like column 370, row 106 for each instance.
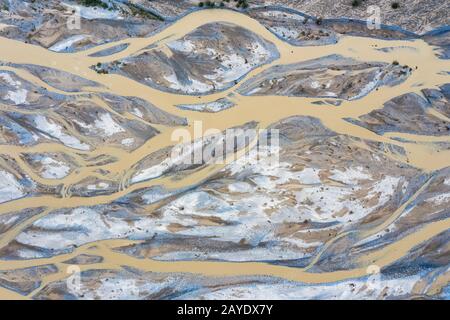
column 94, row 3
column 395, row 5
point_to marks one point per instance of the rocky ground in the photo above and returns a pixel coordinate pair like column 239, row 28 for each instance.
column 44, row 23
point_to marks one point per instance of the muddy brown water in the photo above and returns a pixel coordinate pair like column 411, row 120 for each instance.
column 431, row 72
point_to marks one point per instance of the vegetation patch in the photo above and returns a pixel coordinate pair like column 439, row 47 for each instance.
column 357, row 3
column 138, row 11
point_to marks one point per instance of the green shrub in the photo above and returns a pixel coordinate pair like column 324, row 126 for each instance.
column 93, row 3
